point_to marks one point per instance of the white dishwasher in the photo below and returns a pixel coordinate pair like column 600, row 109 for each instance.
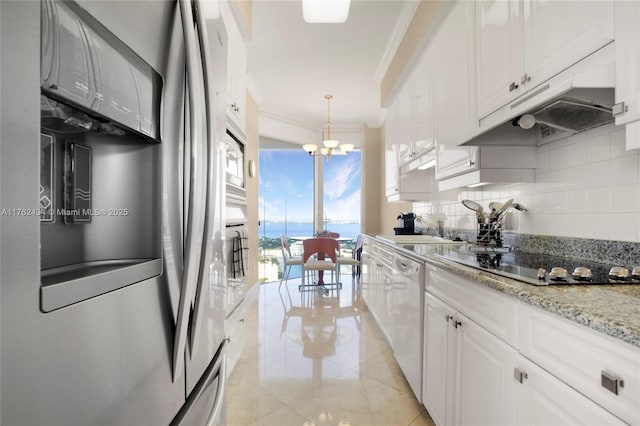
column 407, row 318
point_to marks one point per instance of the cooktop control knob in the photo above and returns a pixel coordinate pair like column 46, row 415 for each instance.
column 557, row 273
column 542, row 274
column 582, row 273
column 619, row 273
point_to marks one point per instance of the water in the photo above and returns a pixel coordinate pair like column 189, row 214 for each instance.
column 273, row 230
column 303, row 229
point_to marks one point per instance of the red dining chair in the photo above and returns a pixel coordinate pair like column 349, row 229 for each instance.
column 319, row 254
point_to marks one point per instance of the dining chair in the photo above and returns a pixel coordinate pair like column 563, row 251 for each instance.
column 319, row 254
column 288, row 259
column 355, row 260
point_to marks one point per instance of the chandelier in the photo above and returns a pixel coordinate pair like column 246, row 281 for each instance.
column 329, row 146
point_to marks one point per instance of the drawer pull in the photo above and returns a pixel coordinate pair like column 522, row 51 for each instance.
column 519, row 374
column 448, row 317
column 611, row 382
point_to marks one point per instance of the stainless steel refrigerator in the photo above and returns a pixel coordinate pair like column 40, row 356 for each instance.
column 112, row 213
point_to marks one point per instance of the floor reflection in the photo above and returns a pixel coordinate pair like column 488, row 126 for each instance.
column 317, row 359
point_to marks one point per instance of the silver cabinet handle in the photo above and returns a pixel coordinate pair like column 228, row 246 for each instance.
column 457, row 324
column 471, row 163
column 513, row 86
column 519, row 374
column 610, row 382
column 448, row 317
column 525, row 79
column 619, row 108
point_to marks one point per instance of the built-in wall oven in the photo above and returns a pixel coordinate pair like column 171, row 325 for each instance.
column 235, row 169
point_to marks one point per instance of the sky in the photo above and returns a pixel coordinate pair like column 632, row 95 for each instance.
column 286, row 186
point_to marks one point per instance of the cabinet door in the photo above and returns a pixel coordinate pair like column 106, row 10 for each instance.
column 405, row 130
column 438, row 393
column 391, row 169
column 484, row 377
column 544, row 400
column 627, row 34
column 454, row 76
column 236, row 72
column 422, row 84
column 557, row 34
column 455, row 160
column 498, row 53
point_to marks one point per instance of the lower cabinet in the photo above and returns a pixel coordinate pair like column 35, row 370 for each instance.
column 543, row 400
column 540, row 370
column 468, row 372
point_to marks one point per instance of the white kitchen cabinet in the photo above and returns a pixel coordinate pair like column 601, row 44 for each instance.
column 379, row 280
column 407, row 137
column 236, row 72
column 491, row 163
column 416, row 128
column 454, row 79
column 522, row 43
column 438, row 393
column 391, row 154
column 498, row 52
column 468, row 371
column 627, row 46
column 606, row 371
column 544, row 400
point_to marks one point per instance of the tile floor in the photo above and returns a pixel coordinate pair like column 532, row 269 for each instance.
column 315, row 359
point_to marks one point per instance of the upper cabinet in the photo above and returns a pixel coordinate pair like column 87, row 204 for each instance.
column 236, row 73
column 453, row 76
column 627, row 32
column 522, row 43
column 415, row 131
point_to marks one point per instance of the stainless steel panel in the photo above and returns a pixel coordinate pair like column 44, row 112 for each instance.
column 67, row 285
column 107, row 360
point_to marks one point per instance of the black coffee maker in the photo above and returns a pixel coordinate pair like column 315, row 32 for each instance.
column 406, row 224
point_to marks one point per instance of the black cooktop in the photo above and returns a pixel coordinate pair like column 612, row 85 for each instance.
column 533, row 268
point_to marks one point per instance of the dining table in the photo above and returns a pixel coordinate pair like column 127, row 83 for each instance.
column 320, row 281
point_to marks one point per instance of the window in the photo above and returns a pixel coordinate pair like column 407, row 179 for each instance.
column 286, row 201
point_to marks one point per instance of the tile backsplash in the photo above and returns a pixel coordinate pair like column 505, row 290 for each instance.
column 586, row 186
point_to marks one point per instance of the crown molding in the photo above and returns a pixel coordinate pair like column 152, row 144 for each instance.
column 406, row 15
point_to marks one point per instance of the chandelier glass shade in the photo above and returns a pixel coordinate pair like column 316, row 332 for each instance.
column 329, row 146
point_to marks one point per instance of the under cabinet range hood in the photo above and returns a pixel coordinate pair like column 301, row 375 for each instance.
column 577, row 99
column 583, row 110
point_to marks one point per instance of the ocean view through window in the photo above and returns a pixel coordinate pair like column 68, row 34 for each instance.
column 286, row 204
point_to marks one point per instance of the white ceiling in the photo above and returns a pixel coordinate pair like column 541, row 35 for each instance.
column 293, row 64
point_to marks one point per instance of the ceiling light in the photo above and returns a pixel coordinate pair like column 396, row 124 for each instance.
column 325, row 11
column 329, row 146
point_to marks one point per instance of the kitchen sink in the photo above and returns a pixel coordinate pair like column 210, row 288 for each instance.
column 417, row 239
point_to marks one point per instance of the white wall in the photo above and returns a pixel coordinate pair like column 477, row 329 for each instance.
column 586, row 186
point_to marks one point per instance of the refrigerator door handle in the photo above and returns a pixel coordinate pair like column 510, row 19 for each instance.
column 193, row 242
column 219, row 370
column 221, row 391
column 210, row 170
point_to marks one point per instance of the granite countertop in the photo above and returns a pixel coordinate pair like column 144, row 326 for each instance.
column 610, row 309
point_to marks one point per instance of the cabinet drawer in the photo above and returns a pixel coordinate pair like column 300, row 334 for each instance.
column 488, row 308
column 584, row 358
column 235, row 325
